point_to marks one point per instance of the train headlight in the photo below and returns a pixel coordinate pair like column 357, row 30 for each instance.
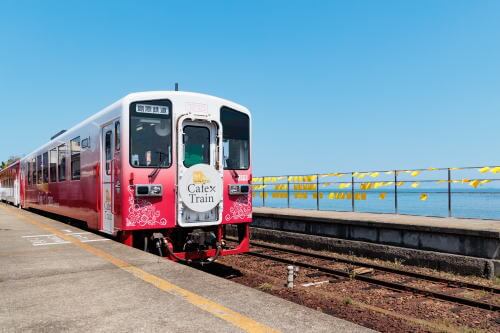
column 236, row 189
column 155, row 190
column 148, row 190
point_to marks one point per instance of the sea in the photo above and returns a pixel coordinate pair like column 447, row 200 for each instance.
column 479, row 203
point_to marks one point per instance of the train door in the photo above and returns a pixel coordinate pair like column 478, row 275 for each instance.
column 107, row 178
column 17, row 188
column 199, row 173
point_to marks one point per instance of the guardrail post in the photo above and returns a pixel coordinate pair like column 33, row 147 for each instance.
column 288, row 190
column 449, row 192
column 352, row 191
column 263, row 191
column 317, row 191
column 396, row 191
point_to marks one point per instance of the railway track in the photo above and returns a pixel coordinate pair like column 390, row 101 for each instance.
column 373, row 279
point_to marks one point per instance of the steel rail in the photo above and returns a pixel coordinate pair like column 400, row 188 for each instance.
column 421, row 276
column 383, row 283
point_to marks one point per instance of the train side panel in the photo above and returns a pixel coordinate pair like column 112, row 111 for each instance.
column 74, row 197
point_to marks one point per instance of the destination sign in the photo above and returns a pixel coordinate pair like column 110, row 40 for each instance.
column 152, row 109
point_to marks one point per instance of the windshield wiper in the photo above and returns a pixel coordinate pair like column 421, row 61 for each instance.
column 158, row 168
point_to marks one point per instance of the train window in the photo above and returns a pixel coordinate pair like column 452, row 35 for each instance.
column 74, row 146
column 236, row 139
column 151, row 134
column 196, row 145
column 28, row 175
column 39, row 167
column 45, row 163
column 53, row 165
column 61, row 162
column 107, row 150
column 33, row 171
column 117, row 136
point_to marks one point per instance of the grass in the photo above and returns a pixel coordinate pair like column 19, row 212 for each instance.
column 347, row 301
column 265, row 286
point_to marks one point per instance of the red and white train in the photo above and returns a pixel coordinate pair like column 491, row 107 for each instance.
column 163, row 171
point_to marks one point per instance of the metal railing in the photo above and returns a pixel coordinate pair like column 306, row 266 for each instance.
column 430, row 189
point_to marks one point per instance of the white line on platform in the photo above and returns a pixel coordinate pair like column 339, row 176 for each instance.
column 95, row 240
column 38, row 236
column 78, row 233
column 42, row 244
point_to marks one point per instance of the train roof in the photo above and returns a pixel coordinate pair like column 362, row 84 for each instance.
column 11, row 165
column 136, row 96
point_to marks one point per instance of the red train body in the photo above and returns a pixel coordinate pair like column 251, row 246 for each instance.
column 163, row 171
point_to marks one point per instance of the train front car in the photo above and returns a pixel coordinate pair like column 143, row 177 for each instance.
column 185, row 175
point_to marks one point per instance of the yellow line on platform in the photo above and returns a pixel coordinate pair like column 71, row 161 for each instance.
column 245, row 323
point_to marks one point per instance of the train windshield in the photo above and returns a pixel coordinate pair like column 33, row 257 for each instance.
column 151, row 134
column 236, row 139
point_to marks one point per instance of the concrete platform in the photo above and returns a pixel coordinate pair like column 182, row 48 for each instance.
column 55, row 277
column 465, row 246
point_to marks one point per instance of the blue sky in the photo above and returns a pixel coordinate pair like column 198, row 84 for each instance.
column 333, row 85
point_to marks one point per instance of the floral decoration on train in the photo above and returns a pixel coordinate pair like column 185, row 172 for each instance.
column 241, row 208
column 141, row 212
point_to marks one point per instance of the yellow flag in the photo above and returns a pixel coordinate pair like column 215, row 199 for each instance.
column 389, row 172
column 484, row 169
column 441, row 181
column 415, row 173
column 432, row 169
column 400, row 183
column 475, row 183
column 495, row 170
column 374, row 174
column 484, row 181
column 415, row 184
column 423, row 196
column 382, row 195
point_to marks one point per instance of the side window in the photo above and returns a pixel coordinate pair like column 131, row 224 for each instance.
column 33, row 171
column 28, row 176
column 117, row 136
column 39, row 167
column 53, row 165
column 107, row 150
column 45, row 163
column 236, row 139
column 75, row 158
column 61, row 162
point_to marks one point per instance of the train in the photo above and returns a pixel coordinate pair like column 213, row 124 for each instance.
column 164, row 171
